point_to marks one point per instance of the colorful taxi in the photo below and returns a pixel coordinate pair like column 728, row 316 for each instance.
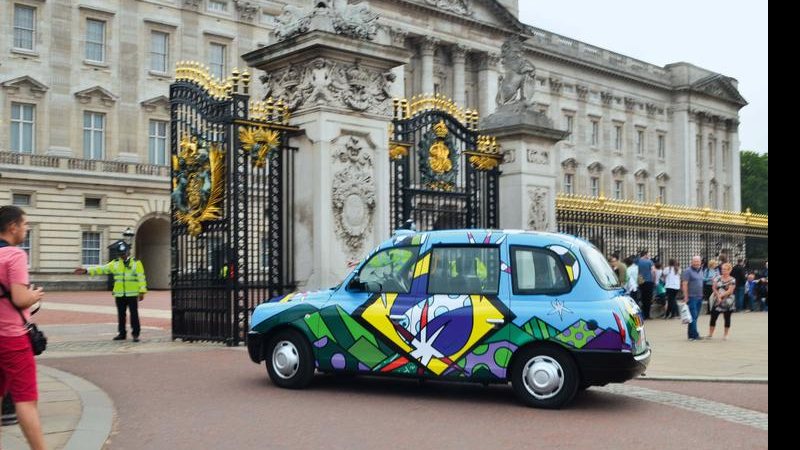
column 540, row 310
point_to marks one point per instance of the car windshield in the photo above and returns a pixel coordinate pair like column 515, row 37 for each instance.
column 600, row 268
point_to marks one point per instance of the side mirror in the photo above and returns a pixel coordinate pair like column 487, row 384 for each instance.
column 356, row 285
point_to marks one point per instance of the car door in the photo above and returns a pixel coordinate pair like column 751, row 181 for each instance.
column 345, row 340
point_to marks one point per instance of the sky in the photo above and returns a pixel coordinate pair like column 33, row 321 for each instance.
column 724, row 36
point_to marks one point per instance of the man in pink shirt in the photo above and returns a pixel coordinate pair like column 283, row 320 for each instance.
column 17, row 366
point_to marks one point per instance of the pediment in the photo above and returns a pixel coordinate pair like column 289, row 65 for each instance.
column 490, row 12
column 151, row 105
column 721, row 87
column 569, row 164
column 663, row 177
column 101, row 94
column 36, row 87
column 595, row 167
column 641, row 174
column 619, row 170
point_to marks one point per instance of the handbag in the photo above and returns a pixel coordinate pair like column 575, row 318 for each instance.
column 36, row 336
column 686, row 315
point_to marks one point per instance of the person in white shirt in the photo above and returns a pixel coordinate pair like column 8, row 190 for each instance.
column 672, row 282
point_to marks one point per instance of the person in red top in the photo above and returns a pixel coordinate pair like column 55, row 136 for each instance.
column 17, row 366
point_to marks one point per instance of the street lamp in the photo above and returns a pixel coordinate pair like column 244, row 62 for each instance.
column 128, row 234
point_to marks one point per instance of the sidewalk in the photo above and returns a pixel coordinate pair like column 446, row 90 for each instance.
column 76, row 414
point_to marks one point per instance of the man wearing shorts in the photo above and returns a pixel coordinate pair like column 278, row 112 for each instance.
column 17, row 366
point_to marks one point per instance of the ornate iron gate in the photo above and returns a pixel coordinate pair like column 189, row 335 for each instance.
column 443, row 173
column 668, row 231
column 231, row 203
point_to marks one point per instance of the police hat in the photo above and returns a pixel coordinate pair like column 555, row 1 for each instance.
column 123, row 248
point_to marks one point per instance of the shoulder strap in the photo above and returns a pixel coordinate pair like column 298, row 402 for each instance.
column 7, row 294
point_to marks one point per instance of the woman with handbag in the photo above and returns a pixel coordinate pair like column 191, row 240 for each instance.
column 722, row 300
column 17, row 365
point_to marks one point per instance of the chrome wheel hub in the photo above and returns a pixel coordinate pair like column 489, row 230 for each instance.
column 543, row 377
column 285, row 359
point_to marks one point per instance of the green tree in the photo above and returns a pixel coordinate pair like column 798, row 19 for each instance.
column 755, row 184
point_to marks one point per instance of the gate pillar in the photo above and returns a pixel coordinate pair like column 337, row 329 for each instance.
column 528, row 181
column 337, row 83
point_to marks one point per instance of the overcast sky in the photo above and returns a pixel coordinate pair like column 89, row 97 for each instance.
column 724, row 36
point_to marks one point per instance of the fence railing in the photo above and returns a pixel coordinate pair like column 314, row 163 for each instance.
column 88, row 165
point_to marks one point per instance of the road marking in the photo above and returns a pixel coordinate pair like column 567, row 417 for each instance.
column 75, row 307
column 722, row 411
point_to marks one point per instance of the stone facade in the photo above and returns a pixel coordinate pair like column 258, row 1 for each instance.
column 103, row 68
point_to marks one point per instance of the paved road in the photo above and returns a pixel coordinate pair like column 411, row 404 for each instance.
column 179, row 395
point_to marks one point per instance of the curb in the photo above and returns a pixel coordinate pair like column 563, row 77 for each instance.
column 97, row 411
column 758, row 380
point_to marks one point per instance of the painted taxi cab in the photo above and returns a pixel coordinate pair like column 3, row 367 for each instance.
column 541, row 310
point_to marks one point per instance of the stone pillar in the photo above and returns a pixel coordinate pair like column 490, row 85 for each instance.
column 735, row 167
column 399, row 85
column 338, row 89
column 487, row 82
column 427, row 49
column 528, row 184
column 459, row 53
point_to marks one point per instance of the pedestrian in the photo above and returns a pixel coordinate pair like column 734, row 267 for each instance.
column 619, row 268
column 17, row 364
column 723, row 299
column 646, row 281
column 750, row 292
column 672, row 282
column 762, row 287
column 632, row 274
column 130, row 286
column 739, row 275
column 692, row 287
column 709, row 273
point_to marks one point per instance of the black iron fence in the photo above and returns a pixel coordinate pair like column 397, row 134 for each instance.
column 231, row 203
column 667, row 231
column 443, row 173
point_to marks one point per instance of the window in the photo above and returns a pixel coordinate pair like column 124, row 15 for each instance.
column 640, row 193
column 93, row 134
column 537, row 271
column 390, row 270
column 217, row 5
column 158, row 142
column 464, row 270
column 640, row 142
column 595, row 133
column 92, row 202
column 23, row 120
column 24, row 27
column 26, row 245
column 618, row 137
column 595, row 186
column 725, row 155
column 599, row 267
column 90, row 248
column 698, row 145
column 662, row 194
column 217, row 60
column 712, row 150
column 570, row 126
column 21, row 199
column 568, row 183
column 95, row 40
column 618, row 191
column 159, row 44
column 662, row 146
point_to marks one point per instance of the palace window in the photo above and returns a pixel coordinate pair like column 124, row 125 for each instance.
column 95, row 40
column 24, row 27
column 23, row 124
column 159, row 46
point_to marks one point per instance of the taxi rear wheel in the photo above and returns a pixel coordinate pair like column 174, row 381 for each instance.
column 545, row 377
column 289, row 360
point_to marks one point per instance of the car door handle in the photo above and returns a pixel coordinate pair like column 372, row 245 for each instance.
column 396, row 317
column 496, row 322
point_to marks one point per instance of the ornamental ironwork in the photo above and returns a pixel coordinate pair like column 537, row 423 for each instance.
column 198, row 182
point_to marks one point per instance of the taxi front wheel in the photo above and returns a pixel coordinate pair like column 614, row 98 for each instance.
column 289, row 360
column 545, row 377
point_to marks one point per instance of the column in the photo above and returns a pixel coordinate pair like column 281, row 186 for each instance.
column 487, row 82
column 427, row 49
column 734, row 165
column 459, row 53
column 398, row 89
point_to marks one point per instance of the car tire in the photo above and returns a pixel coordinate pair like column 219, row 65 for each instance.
column 545, row 377
column 289, row 360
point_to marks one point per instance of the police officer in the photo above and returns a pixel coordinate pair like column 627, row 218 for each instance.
column 129, row 287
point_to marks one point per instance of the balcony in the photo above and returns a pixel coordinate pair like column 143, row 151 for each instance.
column 84, row 165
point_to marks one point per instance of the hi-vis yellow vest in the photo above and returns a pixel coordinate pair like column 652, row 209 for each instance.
column 129, row 280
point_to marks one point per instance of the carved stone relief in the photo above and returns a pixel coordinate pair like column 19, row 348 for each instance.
column 353, row 196
column 509, row 156
column 537, row 214
column 329, row 83
column 336, row 16
column 536, row 156
column 516, row 83
column 456, row 6
column 248, row 9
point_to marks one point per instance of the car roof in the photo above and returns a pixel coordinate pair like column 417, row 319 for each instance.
column 485, row 235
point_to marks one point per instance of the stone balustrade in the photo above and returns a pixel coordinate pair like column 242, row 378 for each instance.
column 80, row 164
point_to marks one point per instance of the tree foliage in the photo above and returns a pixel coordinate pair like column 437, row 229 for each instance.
column 755, row 185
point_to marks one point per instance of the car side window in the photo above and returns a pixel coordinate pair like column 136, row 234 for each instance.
column 464, row 270
column 390, row 270
column 537, row 271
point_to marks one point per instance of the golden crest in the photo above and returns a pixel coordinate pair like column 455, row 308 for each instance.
column 397, row 151
column 440, row 158
column 440, row 129
column 198, row 183
column 259, row 142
